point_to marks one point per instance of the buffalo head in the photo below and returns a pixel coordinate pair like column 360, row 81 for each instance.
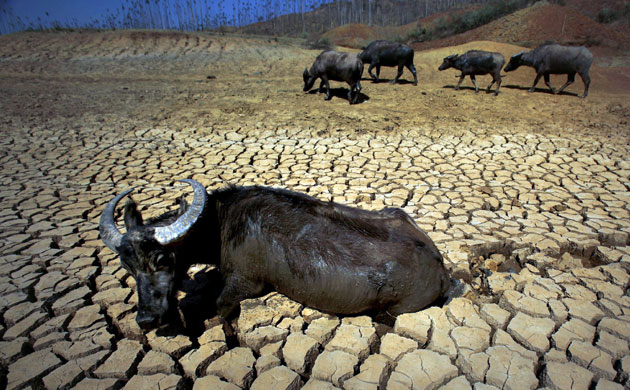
column 149, row 251
column 448, row 62
column 365, row 56
column 515, row 62
column 308, row 80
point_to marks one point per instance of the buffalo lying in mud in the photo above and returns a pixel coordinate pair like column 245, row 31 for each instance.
column 336, row 66
column 384, row 53
column 324, row 255
column 476, row 62
column 556, row 59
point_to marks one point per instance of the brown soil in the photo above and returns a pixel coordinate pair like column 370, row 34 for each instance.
column 177, row 80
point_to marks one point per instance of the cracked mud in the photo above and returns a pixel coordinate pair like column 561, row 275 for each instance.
column 526, row 195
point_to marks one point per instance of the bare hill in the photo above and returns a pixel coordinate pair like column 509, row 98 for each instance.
column 358, row 35
column 153, row 53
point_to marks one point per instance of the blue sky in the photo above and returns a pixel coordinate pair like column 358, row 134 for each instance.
column 61, row 10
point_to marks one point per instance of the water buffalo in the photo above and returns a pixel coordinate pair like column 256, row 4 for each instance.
column 324, row 255
column 476, row 62
column 384, row 53
column 555, row 59
column 336, row 66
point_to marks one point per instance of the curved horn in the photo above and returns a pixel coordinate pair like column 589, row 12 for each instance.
column 107, row 226
column 178, row 229
column 519, row 53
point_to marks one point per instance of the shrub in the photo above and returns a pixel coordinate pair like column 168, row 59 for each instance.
column 417, row 34
column 398, row 38
column 607, row 15
column 323, row 43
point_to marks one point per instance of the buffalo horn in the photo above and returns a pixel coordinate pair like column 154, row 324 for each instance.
column 518, row 54
column 178, row 229
column 107, row 227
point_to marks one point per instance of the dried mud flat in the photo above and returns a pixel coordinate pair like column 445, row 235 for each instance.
column 526, row 195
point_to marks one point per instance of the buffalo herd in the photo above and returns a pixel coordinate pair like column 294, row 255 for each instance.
column 546, row 59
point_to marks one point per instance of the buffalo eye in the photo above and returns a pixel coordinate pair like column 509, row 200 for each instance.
column 161, row 260
column 157, row 294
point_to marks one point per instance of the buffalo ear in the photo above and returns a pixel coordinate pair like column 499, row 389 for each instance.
column 133, row 218
column 305, row 74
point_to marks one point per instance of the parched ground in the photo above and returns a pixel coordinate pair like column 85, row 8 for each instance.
column 526, row 195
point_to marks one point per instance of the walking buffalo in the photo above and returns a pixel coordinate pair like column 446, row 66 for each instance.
column 324, row 255
column 384, row 53
column 336, row 66
column 556, row 59
column 476, row 62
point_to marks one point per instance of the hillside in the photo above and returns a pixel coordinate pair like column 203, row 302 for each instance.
column 537, row 24
column 359, row 35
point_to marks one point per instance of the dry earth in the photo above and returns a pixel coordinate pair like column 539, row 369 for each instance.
column 526, row 194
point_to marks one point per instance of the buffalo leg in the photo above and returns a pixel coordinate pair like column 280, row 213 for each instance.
column 353, row 94
column 461, row 78
column 321, row 86
column 400, row 71
column 497, row 80
column 570, row 80
column 412, row 69
column 490, row 86
column 536, row 80
column 378, row 72
column 328, row 95
column 357, row 89
column 236, row 289
column 587, row 82
column 548, row 83
column 370, row 72
column 474, row 80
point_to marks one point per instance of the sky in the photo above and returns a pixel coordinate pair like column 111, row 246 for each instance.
column 61, row 10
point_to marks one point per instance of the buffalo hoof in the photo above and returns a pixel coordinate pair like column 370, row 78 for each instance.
column 456, row 289
column 328, row 97
column 531, row 90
